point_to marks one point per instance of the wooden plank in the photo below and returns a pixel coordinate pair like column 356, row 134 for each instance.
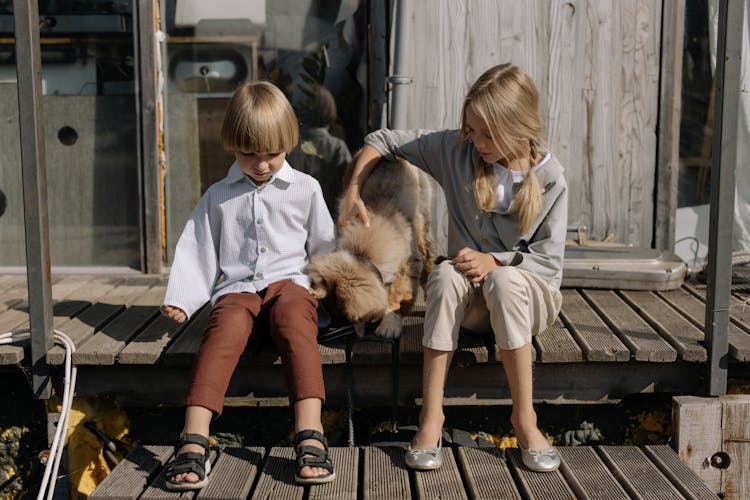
column 410, row 343
column 371, row 350
column 695, row 310
column 443, row 483
column 739, row 309
column 11, row 354
column 277, row 477
column 130, row 477
column 675, row 329
column 183, row 349
column 697, row 435
column 82, row 327
column 636, row 334
column 10, row 280
column 556, row 345
column 385, row 475
column 105, row 345
column 597, row 341
column 12, row 320
column 587, row 475
column 678, row 473
column 344, row 487
column 486, row 473
column 13, row 295
column 333, row 352
column 736, row 443
column 111, row 296
column 62, row 311
column 147, row 347
column 157, row 488
column 472, row 349
column 636, row 473
column 233, row 474
column 550, row 485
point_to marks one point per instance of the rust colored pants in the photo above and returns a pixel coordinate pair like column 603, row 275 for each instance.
column 289, row 311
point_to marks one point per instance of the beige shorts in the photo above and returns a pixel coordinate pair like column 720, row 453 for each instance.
column 512, row 303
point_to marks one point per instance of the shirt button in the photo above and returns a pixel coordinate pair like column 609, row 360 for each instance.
column 488, row 215
column 485, row 241
column 259, row 221
column 259, row 276
column 262, row 249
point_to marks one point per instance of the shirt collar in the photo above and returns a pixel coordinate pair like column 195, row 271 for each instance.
column 285, row 174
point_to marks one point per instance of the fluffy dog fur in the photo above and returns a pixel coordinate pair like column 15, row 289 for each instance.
column 375, row 271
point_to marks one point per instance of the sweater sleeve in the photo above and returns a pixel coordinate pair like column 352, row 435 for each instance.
column 543, row 253
column 423, row 148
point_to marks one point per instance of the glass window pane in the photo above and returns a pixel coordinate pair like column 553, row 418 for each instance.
column 314, row 50
column 90, row 135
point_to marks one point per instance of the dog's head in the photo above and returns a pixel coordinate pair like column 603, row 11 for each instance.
column 350, row 291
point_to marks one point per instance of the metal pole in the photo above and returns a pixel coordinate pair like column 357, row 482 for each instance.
column 400, row 79
column 33, row 166
column 723, row 164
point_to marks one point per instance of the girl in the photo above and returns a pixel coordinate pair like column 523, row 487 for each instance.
column 245, row 248
column 507, row 209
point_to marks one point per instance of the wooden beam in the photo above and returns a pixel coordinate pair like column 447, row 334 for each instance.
column 34, row 167
column 147, row 91
column 668, row 141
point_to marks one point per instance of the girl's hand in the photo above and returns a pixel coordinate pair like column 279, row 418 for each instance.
column 474, row 265
column 174, row 313
column 352, row 206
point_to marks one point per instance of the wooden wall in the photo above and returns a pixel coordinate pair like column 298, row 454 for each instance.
column 597, row 66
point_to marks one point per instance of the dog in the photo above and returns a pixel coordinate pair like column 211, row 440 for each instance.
column 375, row 272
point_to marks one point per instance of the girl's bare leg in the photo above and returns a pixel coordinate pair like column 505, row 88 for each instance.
column 518, row 370
column 431, row 417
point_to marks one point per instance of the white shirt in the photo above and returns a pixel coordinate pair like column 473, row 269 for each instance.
column 504, row 183
column 242, row 237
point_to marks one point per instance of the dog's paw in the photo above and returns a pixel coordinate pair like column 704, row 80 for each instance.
column 390, row 326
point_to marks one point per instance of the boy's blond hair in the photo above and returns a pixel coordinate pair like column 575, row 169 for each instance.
column 259, row 119
column 506, row 99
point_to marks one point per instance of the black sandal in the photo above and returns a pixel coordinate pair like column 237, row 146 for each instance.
column 186, row 462
column 312, row 456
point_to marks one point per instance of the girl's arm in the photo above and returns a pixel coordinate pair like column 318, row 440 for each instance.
column 425, row 149
column 352, row 205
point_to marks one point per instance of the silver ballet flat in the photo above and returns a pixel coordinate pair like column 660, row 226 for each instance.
column 429, row 459
column 540, row 460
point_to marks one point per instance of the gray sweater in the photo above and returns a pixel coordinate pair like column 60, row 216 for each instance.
column 450, row 160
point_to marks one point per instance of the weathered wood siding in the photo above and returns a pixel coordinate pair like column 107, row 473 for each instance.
column 596, row 63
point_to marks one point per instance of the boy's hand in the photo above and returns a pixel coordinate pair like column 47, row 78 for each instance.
column 475, row 265
column 174, row 313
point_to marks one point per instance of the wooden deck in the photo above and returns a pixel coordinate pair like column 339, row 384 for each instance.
column 603, row 472
column 605, row 345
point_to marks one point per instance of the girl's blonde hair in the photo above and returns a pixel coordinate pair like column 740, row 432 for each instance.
column 259, row 119
column 506, row 99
